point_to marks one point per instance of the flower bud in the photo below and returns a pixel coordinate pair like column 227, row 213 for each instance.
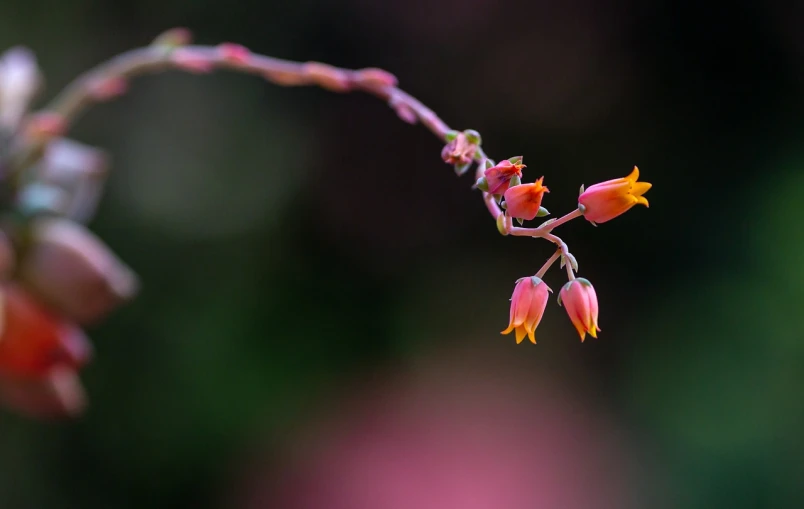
column 460, row 151
column 604, row 201
column 20, row 80
column 499, row 176
column 524, row 201
column 73, row 271
column 527, row 307
column 580, row 300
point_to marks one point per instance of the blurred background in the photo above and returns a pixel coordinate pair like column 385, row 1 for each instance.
column 322, row 297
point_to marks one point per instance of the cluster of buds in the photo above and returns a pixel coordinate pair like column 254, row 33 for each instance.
column 508, row 198
column 55, row 275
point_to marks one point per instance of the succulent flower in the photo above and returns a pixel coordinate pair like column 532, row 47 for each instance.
column 525, row 200
column 527, row 307
column 579, row 299
column 604, row 201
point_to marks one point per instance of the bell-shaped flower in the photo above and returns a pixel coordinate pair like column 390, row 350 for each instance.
column 525, row 200
column 527, row 307
column 604, row 201
column 580, row 300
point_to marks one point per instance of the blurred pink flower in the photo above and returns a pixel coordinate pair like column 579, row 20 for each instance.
column 453, row 435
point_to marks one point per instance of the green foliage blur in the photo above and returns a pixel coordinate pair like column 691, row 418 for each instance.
column 293, row 241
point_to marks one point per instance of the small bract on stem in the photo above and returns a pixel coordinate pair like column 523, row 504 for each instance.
column 49, row 185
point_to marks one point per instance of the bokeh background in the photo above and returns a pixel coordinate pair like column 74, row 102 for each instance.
column 322, row 297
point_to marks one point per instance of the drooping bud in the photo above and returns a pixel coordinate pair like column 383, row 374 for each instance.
column 71, row 270
column 580, row 300
column 20, row 80
column 527, row 307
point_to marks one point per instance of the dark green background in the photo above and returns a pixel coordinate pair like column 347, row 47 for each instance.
column 293, row 241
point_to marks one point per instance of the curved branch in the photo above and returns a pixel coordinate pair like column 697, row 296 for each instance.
column 111, row 78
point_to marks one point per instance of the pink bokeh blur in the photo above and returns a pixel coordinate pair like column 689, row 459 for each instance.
column 483, row 434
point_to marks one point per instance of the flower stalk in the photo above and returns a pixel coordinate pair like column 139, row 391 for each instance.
column 50, row 185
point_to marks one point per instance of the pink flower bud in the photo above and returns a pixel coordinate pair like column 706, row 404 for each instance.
column 19, row 82
column 459, row 151
column 523, row 201
column 527, row 307
column 499, row 176
column 604, row 201
column 580, row 300
column 234, row 53
column 74, row 272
